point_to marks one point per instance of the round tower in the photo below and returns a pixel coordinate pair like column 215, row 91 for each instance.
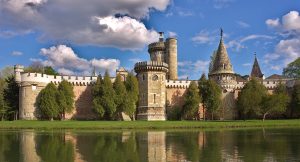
column 18, row 69
column 221, row 68
column 157, row 49
column 152, row 90
column 171, row 57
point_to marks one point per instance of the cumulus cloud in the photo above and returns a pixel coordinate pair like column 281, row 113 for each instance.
column 243, row 24
column 67, row 62
column 83, row 22
column 16, row 53
column 287, row 49
column 194, row 69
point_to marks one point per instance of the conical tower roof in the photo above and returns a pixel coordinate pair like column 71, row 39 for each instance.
column 221, row 62
column 256, row 72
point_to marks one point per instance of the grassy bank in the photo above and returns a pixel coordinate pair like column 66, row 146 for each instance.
column 113, row 125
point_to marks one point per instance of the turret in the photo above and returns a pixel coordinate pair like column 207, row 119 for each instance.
column 256, row 72
column 18, row 69
column 157, row 49
column 171, row 57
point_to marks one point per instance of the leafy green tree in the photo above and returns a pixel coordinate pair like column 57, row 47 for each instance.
column 97, row 96
column 202, row 85
column 65, row 98
column 275, row 103
column 191, row 102
column 108, row 97
column 213, row 98
column 121, row 96
column 295, row 99
column 3, row 107
column 250, row 98
column 132, row 88
column 38, row 68
column 293, row 69
column 6, row 72
column 47, row 102
column 11, row 96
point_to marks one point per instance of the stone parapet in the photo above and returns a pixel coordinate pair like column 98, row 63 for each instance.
column 151, row 66
column 181, row 84
column 156, row 46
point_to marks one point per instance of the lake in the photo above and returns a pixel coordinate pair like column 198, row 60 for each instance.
column 249, row 145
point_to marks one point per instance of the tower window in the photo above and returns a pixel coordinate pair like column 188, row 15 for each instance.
column 143, row 77
column 154, row 98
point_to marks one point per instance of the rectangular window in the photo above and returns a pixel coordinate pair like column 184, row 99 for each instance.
column 33, row 87
column 154, row 98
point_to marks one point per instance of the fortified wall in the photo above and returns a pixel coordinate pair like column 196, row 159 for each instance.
column 32, row 83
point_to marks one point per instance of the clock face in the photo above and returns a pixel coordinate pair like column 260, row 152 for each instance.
column 154, row 77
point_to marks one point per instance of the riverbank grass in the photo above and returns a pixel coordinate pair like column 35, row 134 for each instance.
column 145, row 124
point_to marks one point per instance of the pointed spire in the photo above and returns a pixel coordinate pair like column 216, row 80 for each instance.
column 221, row 62
column 94, row 71
column 256, row 72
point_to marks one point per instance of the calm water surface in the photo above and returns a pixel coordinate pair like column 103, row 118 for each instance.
column 249, row 145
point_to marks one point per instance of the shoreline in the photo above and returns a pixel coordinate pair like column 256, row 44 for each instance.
column 144, row 125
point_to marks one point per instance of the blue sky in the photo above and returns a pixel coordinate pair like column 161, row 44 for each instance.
column 73, row 35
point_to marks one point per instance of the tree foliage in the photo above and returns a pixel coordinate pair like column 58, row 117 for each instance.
column 210, row 93
column 250, row 98
column 191, row 102
column 121, row 96
column 276, row 102
column 293, row 69
column 97, row 96
column 11, row 96
column 65, row 98
column 132, row 88
column 47, row 102
column 295, row 99
column 38, row 68
column 3, row 106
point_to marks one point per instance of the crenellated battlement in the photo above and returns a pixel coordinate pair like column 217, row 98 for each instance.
column 56, row 79
column 181, row 84
column 156, row 46
column 151, row 65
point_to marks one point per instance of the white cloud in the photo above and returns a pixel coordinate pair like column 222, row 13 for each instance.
column 79, row 21
column 172, row 34
column 204, row 37
column 237, row 44
column 16, row 53
column 219, row 4
column 194, row 69
column 287, row 49
column 243, row 24
column 67, row 62
column 247, row 64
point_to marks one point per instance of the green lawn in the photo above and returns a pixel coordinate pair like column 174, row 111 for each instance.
column 115, row 125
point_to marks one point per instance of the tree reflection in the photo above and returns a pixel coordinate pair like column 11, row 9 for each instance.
column 52, row 147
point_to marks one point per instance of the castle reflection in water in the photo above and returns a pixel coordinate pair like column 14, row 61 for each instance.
column 153, row 146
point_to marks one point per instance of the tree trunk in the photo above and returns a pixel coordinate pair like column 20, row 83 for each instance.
column 212, row 115
column 264, row 117
column 2, row 117
column 51, row 119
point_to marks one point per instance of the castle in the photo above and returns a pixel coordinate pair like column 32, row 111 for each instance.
column 159, row 88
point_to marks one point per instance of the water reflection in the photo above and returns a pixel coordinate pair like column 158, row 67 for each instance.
column 224, row 145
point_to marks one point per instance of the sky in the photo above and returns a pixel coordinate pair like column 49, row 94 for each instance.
column 73, row 36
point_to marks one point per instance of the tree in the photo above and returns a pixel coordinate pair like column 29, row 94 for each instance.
column 191, row 102
column 65, row 98
column 11, row 96
column 275, row 103
column 121, row 99
column 213, row 97
column 202, row 85
column 6, row 72
column 3, row 106
column 108, row 97
column 132, row 88
column 97, row 96
column 295, row 99
column 39, row 68
column 250, row 98
column 47, row 102
column 293, row 69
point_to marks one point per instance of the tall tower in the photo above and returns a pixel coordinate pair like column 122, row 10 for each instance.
column 152, row 90
column 171, row 57
column 157, row 49
column 256, row 72
column 222, row 71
